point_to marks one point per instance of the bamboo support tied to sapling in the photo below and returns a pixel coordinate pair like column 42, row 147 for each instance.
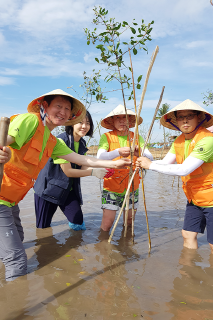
column 139, row 151
column 132, row 147
column 132, row 152
column 153, row 57
column 145, row 143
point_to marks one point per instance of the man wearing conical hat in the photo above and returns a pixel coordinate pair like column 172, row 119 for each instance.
column 193, row 152
column 114, row 145
column 32, row 144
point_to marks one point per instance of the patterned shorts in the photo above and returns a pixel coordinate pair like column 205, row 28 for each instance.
column 114, row 201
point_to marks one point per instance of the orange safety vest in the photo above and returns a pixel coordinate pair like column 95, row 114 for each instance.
column 24, row 166
column 118, row 182
column 198, row 185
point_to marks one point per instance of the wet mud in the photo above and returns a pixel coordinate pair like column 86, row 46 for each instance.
column 79, row 275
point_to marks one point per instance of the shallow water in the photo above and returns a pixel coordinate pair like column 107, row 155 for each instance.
column 79, row 275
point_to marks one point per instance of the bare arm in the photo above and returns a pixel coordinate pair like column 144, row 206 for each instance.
column 75, row 173
column 93, row 162
column 10, row 140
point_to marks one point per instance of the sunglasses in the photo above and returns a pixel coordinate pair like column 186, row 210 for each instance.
column 188, row 117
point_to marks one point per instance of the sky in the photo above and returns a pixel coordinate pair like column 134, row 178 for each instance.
column 43, row 47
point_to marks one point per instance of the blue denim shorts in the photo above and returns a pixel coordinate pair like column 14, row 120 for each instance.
column 197, row 219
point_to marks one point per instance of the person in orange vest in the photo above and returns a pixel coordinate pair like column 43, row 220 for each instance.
column 193, row 152
column 32, row 144
column 115, row 145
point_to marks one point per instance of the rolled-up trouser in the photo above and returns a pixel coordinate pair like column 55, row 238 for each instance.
column 12, row 252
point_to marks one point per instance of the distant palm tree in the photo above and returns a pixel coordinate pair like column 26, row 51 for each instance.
column 163, row 110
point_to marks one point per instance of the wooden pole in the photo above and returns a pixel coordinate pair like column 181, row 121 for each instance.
column 173, row 181
column 4, row 125
column 145, row 143
column 153, row 57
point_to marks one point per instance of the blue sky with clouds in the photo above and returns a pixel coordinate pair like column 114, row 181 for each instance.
column 43, row 47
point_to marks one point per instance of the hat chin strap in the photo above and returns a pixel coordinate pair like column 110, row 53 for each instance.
column 207, row 118
column 43, row 114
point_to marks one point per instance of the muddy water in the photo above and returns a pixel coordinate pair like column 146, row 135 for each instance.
column 78, row 275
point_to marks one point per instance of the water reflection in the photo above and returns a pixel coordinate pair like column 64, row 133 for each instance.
column 79, row 275
column 192, row 296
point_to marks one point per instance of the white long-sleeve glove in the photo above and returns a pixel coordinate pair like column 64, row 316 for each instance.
column 99, row 172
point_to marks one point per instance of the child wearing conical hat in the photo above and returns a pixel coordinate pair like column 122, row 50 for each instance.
column 193, row 152
column 115, row 145
column 32, row 144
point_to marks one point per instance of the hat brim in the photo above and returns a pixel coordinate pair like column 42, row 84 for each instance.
column 78, row 112
column 108, row 121
column 169, row 120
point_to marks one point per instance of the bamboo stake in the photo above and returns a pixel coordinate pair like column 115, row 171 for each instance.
column 132, row 151
column 145, row 143
column 173, row 181
column 4, row 125
column 153, row 57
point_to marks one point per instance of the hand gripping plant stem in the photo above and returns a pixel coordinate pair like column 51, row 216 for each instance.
column 130, row 182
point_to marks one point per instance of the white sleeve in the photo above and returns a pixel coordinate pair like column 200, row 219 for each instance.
column 105, row 155
column 147, row 154
column 187, row 167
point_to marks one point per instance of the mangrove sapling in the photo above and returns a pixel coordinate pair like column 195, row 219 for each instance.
column 154, row 55
column 91, row 89
column 112, row 52
column 208, row 98
column 163, row 110
column 128, row 188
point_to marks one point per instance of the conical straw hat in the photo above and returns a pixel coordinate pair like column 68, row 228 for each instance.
column 169, row 120
column 78, row 112
column 108, row 121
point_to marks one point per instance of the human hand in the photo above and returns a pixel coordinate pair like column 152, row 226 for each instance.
column 99, row 172
column 136, row 152
column 119, row 164
column 143, row 162
column 5, row 154
column 124, row 152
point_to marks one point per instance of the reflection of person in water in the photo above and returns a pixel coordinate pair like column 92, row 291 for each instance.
column 192, row 296
column 193, row 151
column 59, row 266
column 112, row 283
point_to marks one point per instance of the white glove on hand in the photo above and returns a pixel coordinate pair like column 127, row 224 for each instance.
column 99, row 173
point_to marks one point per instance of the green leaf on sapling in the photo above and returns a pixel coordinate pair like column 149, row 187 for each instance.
column 119, row 63
column 135, row 51
column 139, row 78
column 133, row 30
